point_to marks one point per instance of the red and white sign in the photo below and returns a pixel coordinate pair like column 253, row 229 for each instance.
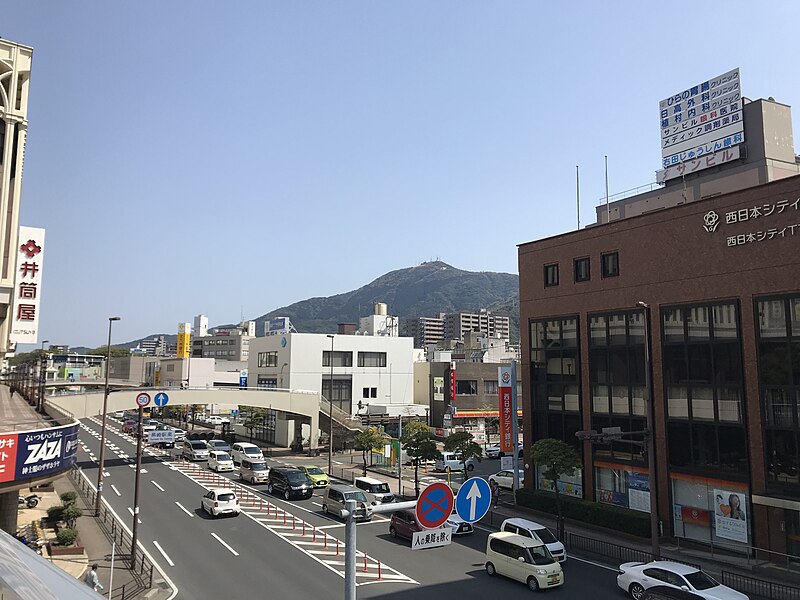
column 143, row 399
column 27, row 286
column 435, row 505
column 8, row 456
column 506, row 410
column 438, row 432
column 452, row 383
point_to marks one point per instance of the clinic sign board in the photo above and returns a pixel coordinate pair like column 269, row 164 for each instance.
column 37, row 453
column 701, row 120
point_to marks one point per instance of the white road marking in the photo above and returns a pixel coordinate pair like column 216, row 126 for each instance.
column 589, row 562
column 220, row 540
column 164, row 554
column 191, row 514
column 116, row 491
column 317, row 504
column 158, row 486
column 138, row 520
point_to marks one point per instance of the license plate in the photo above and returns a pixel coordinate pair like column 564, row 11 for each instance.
column 553, row 578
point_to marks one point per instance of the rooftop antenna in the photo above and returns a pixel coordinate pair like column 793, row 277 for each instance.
column 608, row 208
column 578, row 194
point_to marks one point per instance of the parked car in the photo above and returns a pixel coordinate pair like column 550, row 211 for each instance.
column 129, row 426
column 532, row 529
column 220, row 501
column 451, row 461
column 254, row 471
column 459, row 525
column 216, row 420
column 195, row 450
column 336, row 497
column 219, row 461
column 525, row 559
column 217, row 444
column 505, row 479
column 118, row 414
column 404, row 524
column 494, row 451
column 242, row 450
column 289, row 482
column 635, row 577
column 377, row 491
column 317, row 475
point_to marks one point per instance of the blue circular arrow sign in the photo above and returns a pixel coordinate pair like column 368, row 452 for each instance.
column 161, row 399
column 473, row 499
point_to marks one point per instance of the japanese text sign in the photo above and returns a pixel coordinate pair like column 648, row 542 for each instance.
column 504, row 390
column 45, row 451
column 27, row 286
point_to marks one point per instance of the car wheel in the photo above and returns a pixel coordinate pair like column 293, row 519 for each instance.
column 470, row 467
column 490, row 570
column 252, row 481
column 636, row 591
column 533, row 585
column 392, row 532
column 325, row 508
column 287, row 494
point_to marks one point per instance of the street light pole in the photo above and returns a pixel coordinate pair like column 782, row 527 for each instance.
column 41, row 377
column 100, row 471
column 330, row 414
column 651, row 436
column 135, row 526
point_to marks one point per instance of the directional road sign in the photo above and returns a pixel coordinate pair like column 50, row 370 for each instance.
column 161, row 399
column 435, row 504
column 473, row 500
column 143, row 399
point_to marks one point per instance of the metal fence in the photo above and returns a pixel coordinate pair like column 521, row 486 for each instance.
column 760, row 588
column 609, row 551
column 111, row 526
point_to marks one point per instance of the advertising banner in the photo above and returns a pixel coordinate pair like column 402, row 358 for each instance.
column 438, row 389
column 8, row 456
column 45, row 451
column 730, row 517
column 695, row 516
column 507, row 444
column 453, row 385
column 27, row 286
column 639, row 492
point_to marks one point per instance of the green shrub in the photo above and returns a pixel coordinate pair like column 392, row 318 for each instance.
column 70, row 515
column 55, row 513
column 68, row 498
column 66, row 536
column 625, row 520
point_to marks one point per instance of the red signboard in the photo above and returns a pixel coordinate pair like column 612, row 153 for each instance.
column 8, row 456
column 439, row 432
column 695, row 516
column 506, row 411
column 453, row 384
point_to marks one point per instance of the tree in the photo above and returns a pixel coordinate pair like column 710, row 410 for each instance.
column 418, row 442
column 461, row 443
column 115, row 351
column 367, row 440
column 556, row 458
column 254, row 419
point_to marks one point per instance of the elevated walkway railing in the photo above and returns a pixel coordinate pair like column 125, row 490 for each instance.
column 339, row 416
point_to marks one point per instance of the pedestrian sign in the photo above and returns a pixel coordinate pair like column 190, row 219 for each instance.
column 161, row 399
column 473, row 500
column 143, row 399
column 435, row 505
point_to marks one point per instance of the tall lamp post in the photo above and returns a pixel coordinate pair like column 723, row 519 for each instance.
column 41, row 377
column 650, row 436
column 330, row 414
column 101, row 470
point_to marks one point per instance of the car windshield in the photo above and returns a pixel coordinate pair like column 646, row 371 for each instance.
column 379, row 488
column 357, row 496
column 700, row 581
column 217, row 443
column 541, row 555
column 252, row 451
column 226, row 497
column 197, row 445
column 296, row 477
column 259, row 466
column 545, row 535
column 223, row 457
column 314, row 471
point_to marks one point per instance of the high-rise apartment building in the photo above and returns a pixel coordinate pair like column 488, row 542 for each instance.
column 457, row 324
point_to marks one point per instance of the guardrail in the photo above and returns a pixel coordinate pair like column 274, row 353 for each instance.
column 609, row 550
column 760, row 588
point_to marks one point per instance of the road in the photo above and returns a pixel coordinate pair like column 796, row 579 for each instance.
column 289, row 548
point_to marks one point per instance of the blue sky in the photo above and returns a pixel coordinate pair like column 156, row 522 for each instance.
column 194, row 157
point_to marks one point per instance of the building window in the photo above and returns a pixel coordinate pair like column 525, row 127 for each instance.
column 267, row 383
column 610, row 264
column 170, row 368
column 779, row 385
column 704, row 389
column 342, row 394
column 490, row 387
column 369, row 392
column 340, row 359
column 582, row 270
column 372, row 359
column 267, row 359
column 466, row 387
column 550, row 275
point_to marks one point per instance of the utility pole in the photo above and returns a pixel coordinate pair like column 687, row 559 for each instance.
column 330, row 416
column 101, row 470
column 135, row 528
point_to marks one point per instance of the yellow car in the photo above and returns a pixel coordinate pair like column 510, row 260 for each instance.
column 317, row 475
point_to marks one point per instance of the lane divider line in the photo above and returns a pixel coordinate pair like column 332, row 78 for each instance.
column 191, row 514
column 164, row 554
column 158, row 486
column 221, row 541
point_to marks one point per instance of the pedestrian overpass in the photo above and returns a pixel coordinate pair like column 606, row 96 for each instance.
column 300, row 402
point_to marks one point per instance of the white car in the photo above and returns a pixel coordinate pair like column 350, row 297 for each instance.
column 635, row 577
column 459, row 525
column 532, row 529
column 246, row 450
column 220, row 501
column 216, row 420
column 505, row 479
column 118, row 414
column 218, row 445
column 493, row 451
column 219, row 461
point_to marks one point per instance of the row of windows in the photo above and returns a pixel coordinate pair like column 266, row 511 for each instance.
column 609, row 267
column 214, row 342
column 345, row 359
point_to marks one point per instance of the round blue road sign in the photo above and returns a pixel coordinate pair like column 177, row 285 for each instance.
column 161, row 399
column 435, row 504
column 473, row 500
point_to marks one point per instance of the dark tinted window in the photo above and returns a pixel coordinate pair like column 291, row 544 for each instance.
column 550, row 275
column 582, row 269
column 610, row 264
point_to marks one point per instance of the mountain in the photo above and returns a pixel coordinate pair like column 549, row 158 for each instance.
column 420, row 291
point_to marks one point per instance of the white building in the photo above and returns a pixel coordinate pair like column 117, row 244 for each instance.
column 200, row 328
column 376, row 370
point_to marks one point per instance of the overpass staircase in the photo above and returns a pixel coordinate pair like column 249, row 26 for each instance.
column 345, row 426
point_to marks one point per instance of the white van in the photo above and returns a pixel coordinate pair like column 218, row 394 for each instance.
column 375, row 489
column 451, row 461
column 531, row 529
column 247, row 450
column 525, row 559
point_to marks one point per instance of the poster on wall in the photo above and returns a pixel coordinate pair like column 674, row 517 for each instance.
column 639, row 492
column 36, row 453
column 730, row 517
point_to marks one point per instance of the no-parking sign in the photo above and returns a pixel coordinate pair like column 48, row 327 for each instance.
column 435, row 504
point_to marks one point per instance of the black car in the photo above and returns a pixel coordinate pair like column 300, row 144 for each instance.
column 665, row 592
column 290, row 483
